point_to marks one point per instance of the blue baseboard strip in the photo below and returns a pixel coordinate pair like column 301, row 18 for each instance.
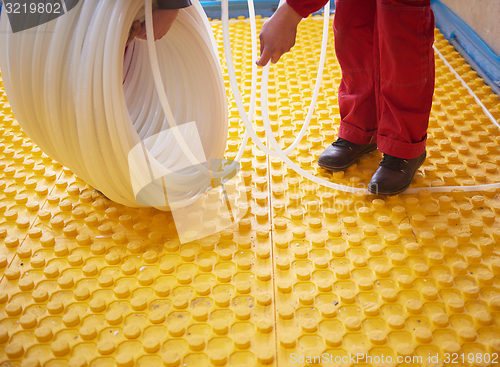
column 453, row 27
column 264, row 8
column 239, row 8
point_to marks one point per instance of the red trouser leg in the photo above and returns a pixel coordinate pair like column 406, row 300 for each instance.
column 406, row 34
column 385, row 51
column 354, row 25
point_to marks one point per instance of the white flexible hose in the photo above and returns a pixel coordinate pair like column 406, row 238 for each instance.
column 464, row 84
column 234, row 84
column 85, row 106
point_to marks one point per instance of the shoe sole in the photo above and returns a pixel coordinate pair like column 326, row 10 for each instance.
column 325, row 166
column 401, row 190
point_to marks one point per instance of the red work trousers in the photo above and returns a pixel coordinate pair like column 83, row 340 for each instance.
column 384, row 48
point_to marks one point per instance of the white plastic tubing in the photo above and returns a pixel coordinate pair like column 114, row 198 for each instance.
column 265, row 112
column 86, row 106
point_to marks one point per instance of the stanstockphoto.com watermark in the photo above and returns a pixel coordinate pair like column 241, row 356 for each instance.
column 383, row 360
column 337, row 360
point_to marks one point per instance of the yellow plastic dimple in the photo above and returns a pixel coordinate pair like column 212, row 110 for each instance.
column 308, row 270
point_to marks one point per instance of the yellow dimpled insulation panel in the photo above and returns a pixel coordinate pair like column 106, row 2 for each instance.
column 310, row 276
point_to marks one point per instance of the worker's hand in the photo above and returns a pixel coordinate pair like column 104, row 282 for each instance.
column 278, row 34
column 162, row 22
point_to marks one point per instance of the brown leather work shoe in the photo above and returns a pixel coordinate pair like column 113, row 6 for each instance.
column 342, row 153
column 394, row 175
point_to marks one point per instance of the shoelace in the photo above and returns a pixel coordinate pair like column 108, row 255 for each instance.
column 343, row 143
column 394, row 163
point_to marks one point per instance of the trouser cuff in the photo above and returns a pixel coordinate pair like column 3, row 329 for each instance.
column 355, row 135
column 400, row 149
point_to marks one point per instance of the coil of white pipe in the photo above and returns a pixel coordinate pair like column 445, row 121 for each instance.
column 86, row 106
